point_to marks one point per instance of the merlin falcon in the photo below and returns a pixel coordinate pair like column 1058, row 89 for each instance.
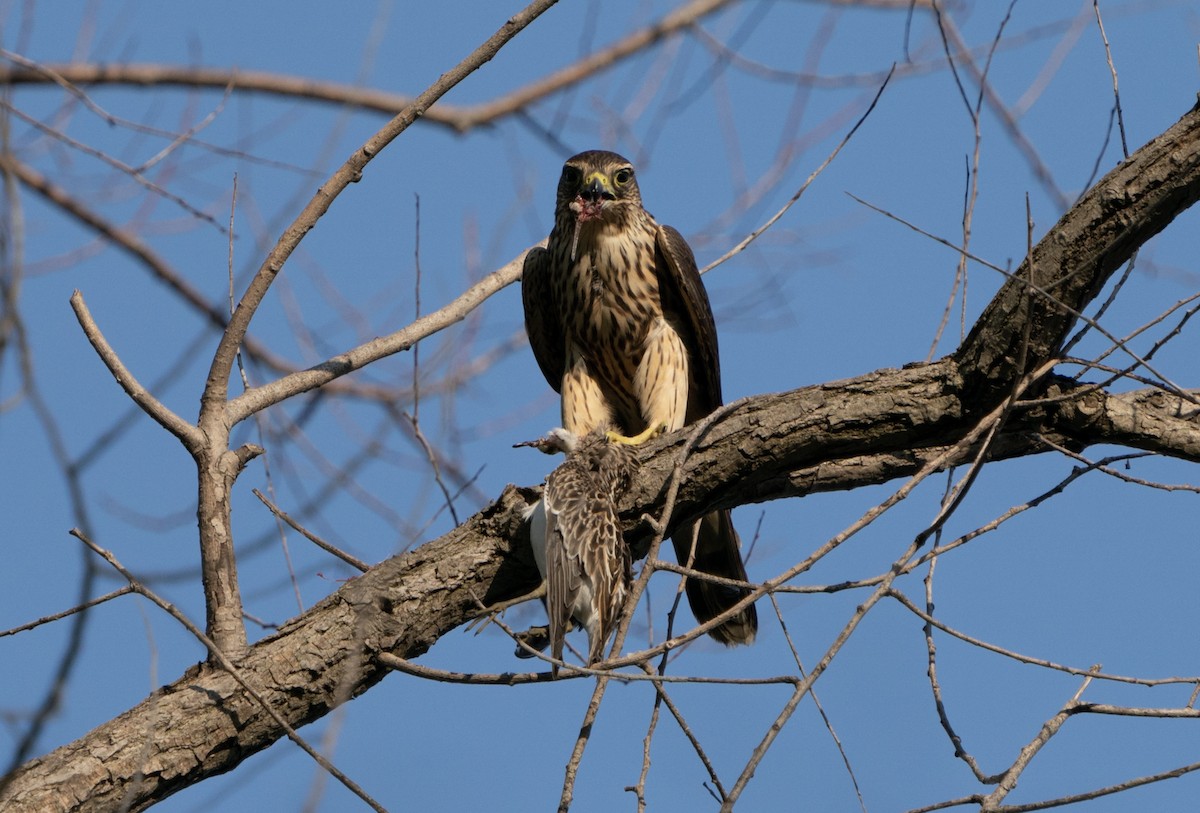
column 621, row 327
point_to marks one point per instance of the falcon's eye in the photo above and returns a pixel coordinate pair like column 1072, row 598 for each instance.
column 572, row 176
column 623, row 176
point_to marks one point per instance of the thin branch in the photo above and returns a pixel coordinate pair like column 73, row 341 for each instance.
column 908, row 604
column 837, row 741
column 1102, row 466
column 188, row 433
column 259, row 398
column 520, row 100
column 459, row 118
column 773, row 219
column 572, row 671
column 935, row 686
column 471, row 678
column 229, row 667
column 87, row 605
column 981, row 428
column 1007, row 117
column 1141, row 781
column 1008, row 780
column 356, row 563
column 217, row 383
column 661, row 697
column 133, row 245
column 1013, row 277
column 136, row 173
column 1112, row 70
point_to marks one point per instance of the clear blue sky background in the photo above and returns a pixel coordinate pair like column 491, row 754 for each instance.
column 1101, row 574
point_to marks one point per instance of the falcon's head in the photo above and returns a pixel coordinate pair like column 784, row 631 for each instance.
column 597, row 185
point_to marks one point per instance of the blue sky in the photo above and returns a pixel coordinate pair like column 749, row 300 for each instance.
column 1099, row 574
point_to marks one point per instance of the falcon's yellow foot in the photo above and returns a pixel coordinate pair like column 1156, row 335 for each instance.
column 636, row 440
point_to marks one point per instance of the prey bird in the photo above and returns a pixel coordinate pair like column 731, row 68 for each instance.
column 621, row 327
column 577, row 541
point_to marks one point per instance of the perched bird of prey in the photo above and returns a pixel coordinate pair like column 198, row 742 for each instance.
column 621, row 327
column 577, row 541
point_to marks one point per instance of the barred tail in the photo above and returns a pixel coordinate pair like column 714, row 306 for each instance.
column 717, row 553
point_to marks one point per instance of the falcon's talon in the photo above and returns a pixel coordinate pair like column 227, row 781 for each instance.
column 638, row 439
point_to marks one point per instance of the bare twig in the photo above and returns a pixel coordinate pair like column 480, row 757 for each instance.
column 1006, row 116
column 46, row 619
column 136, row 173
column 1120, row 787
column 177, row 426
column 981, row 428
column 1049, row 297
column 351, row 171
column 1029, row 659
column 661, row 697
column 228, row 665
column 276, row 391
column 354, row 562
column 567, row 670
column 1112, row 69
column 837, row 741
column 1008, row 780
column 459, row 118
column 133, row 245
column 773, row 219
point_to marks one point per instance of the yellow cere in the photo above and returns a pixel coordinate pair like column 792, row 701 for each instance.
column 598, row 176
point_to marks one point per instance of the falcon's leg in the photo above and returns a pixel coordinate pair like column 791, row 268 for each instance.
column 661, row 383
column 584, row 406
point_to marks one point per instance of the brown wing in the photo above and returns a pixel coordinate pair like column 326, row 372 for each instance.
column 717, row 546
column 685, row 299
column 543, row 322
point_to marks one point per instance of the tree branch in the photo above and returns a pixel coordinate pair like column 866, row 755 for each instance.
column 459, row 118
column 259, row 398
column 350, row 172
column 878, row 426
column 177, row 426
column 404, row 604
column 1131, row 204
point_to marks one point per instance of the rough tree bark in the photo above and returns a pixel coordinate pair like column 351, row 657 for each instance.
column 833, row 436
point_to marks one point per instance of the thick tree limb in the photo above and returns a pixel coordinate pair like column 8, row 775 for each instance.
column 1131, row 204
column 203, row 724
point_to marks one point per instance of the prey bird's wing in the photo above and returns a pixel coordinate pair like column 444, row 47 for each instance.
column 563, row 576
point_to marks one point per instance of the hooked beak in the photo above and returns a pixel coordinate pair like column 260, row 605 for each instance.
column 589, row 204
column 596, row 187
